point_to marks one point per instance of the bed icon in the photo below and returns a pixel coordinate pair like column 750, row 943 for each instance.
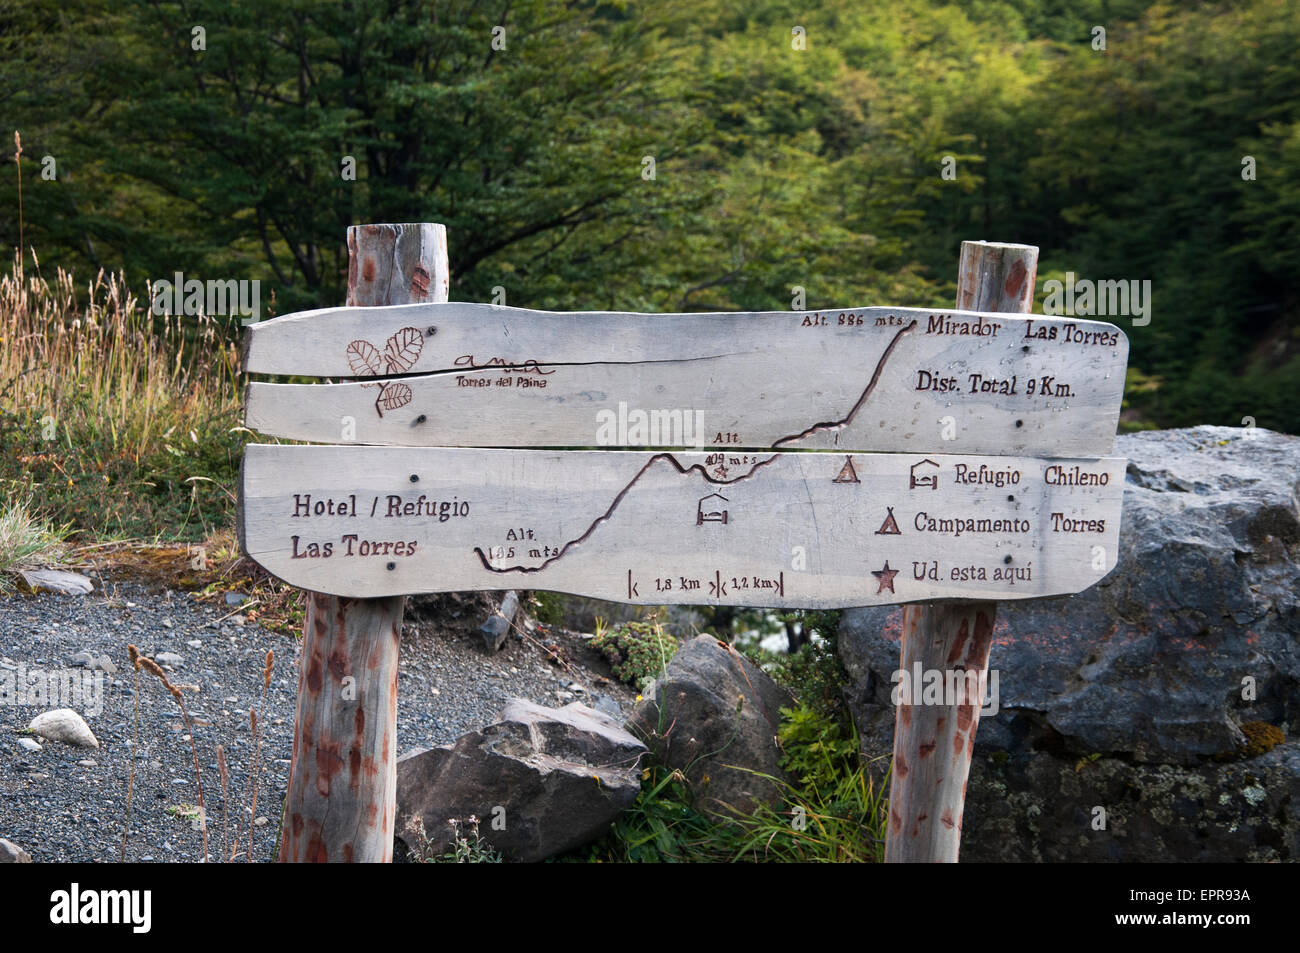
column 930, row 478
column 713, row 514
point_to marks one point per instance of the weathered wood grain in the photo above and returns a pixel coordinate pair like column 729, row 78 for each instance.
column 396, row 265
column 997, row 277
column 933, row 742
column 342, row 798
column 791, row 529
column 901, row 380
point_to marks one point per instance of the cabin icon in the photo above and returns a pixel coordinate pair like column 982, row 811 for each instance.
column 708, row 511
column 928, row 478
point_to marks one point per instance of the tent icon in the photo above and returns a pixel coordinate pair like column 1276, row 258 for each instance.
column 890, row 526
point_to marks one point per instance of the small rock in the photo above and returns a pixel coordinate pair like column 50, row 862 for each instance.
column 168, row 658
column 64, row 724
column 56, row 580
column 28, row 744
column 88, row 763
column 11, row 853
column 260, row 821
column 95, row 663
column 235, row 598
column 167, row 623
column 195, row 643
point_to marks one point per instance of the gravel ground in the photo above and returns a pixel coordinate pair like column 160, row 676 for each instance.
column 64, row 803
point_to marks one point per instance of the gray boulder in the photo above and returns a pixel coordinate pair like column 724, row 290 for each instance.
column 1195, row 633
column 1036, row 806
column 11, row 853
column 541, row 781
column 714, row 715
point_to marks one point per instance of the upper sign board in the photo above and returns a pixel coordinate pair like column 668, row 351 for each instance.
column 851, row 380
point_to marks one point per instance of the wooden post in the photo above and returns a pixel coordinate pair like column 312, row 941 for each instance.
column 933, row 743
column 342, row 798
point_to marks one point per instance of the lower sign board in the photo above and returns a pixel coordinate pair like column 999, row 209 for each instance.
column 812, row 530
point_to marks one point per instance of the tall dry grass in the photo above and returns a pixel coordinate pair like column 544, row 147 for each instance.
column 113, row 419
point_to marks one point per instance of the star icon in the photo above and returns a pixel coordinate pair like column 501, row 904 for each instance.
column 886, row 577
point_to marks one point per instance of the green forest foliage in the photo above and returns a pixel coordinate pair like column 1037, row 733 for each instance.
column 773, row 166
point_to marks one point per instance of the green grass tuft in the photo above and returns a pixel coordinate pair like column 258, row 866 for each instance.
column 27, row 540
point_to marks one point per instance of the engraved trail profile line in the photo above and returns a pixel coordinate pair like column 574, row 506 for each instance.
column 604, row 517
column 527, row 365
column 871, row 385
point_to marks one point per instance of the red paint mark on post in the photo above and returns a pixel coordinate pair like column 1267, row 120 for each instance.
column 1016, row 279
column 314, row 678
column 316, row 852
column 419, row 283
column 339, row 664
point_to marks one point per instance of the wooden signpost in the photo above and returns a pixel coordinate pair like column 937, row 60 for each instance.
column 962, row 456
column 341, row 802
column 933, row 743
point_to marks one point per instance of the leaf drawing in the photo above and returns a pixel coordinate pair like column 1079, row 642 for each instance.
column 364, row 358
column 403, row 350
column 392, row 395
